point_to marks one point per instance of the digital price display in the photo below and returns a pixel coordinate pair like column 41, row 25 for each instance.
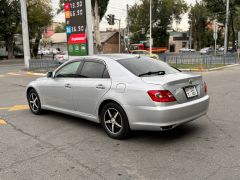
column 76, row 24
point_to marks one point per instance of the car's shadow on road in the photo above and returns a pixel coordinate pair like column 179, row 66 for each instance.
column 183, row 132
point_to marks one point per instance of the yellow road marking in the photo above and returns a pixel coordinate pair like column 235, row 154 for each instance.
column 35, row 74
column 14, row 74
column 16, row 108
column 5, row 108
column 2, row 122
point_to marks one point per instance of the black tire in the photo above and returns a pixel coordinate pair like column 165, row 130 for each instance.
column 115, row 127
column 34, row 102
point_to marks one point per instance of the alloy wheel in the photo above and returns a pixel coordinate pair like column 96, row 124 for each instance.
column 113, row 120
column 34, row 102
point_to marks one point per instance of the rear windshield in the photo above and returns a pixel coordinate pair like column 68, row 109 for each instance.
column 143, row 65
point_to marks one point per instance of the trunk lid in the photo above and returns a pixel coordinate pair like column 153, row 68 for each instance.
column 176, row 84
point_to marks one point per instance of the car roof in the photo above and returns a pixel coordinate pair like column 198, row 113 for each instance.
column 115, row 57
column 107, row 57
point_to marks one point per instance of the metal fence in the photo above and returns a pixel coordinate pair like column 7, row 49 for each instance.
column 184, row 58
column 44, row 65
column 193, row 58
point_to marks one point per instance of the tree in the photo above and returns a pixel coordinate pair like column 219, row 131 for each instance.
column 198, row 20
column 163, row 14
column 99, row 8
column 218, row 11
column 9, row 21
column 39, row 17
column 61, row 28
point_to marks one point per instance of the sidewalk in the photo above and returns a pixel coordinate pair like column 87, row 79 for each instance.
column 12, row 61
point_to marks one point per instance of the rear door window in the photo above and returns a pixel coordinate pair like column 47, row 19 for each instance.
column 92, row 69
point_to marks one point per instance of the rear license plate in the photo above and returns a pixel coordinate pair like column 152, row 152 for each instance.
column 191, row 91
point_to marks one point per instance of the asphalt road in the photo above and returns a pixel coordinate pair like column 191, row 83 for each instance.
column 56, row 146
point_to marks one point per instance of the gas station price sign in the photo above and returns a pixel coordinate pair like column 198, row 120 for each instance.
column 75, row 14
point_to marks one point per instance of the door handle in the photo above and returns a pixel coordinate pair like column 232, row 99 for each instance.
column 68, row 86
column 100, row 86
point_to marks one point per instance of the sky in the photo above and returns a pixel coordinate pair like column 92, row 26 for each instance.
column 118, row 7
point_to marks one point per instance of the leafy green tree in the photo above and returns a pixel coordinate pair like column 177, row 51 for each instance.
column 9, row 21
column 163, row 14
column 198, row 20
column 61, row 28
column 217, row 9
column 39, row 17
column 99, row 8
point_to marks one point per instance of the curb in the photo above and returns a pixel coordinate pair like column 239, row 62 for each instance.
column 207, row 70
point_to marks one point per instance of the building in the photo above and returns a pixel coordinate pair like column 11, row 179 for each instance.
column 109, row 40
column 177, row 41
column 50, row 30
column 58, row 40
column 18, row 47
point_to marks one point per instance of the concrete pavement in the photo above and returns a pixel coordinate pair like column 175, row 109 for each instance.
column 56, row 146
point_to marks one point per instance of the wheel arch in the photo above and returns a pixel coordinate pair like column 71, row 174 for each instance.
column 103, row 103
column 32, row 88
column 29, row 89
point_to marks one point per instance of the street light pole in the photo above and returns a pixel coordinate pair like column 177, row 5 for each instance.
column 190, row 36
column 150, row 26
column 226, row 28
column 25, row 33
column 89, row 27
column 119, row 48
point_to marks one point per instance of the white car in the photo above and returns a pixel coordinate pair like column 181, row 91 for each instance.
column 61, row 57
column 43, row 52
column 221, row 49
column 187, row 50
column 122, row 93
column 205, row 50
column 54, row 51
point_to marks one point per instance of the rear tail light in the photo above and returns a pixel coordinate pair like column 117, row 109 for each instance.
column 161, row 96
column 205, row 87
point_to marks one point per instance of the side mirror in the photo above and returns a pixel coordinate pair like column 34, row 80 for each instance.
column 50, row 75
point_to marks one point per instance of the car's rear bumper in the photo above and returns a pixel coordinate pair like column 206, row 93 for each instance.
column 162, row 118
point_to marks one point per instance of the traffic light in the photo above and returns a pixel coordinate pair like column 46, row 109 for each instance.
column 111, row 19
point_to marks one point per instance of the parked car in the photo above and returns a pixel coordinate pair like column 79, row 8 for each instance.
column 42, row 51
column 145, row 53
column 54, row 51
column 122, row 92
column 61, row 57
column 206, row 50
column 187, row 50
column 221, row 49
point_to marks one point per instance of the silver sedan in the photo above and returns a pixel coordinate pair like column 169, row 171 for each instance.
column 122, row 93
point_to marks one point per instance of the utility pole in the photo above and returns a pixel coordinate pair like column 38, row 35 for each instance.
column 25, row 33
column 226, row 28
column 190, row 37
column 128, row 28
column 215, row 35
column 89, row 27
column 150, row 26
column 119, row 48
